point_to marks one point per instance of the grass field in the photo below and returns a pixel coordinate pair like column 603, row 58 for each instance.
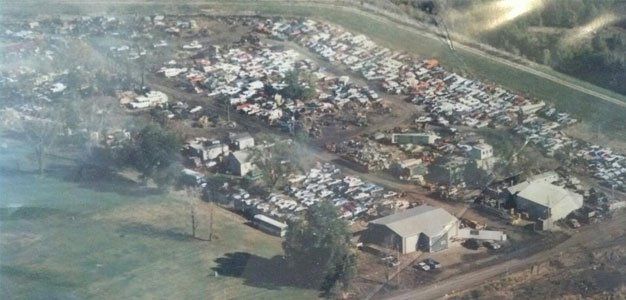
column 62, row 240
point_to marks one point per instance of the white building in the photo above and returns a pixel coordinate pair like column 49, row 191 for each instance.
column 543, row 200
column 242, row 141
column 205, row 149
column 239, row 163
column 151, row 99
column 481, row 151
column 422, row 138
column 214, row 151
column 423, row 228
column 407, row 168
column 482, row 155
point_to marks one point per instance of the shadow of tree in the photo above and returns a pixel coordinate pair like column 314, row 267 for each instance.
column 31, row 213
column 97, row 179
column 269, row 273
column 51, row 277
column 151, row 231
column 101, row 180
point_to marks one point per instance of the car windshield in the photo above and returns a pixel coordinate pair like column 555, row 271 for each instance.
column 343, row 149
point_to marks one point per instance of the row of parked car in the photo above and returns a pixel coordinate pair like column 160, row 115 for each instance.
column 427, row 265
column 431, row 264
column 475, row 244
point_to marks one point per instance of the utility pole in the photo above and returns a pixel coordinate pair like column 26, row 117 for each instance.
column 142, row 62
column 398, row 268
column 228, row 112
column 211, row 210
column 143, row 65
column 211, row 219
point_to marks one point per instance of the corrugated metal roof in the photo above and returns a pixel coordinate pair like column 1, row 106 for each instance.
column 241, row 155
column 552, row 196
column 549, row 177
column 429, row 220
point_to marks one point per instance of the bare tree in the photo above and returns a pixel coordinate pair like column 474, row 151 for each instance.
column 211, row 209
column 214, row 183
column 41, row 130
column 193, row 194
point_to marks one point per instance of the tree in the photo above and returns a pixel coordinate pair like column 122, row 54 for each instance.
column 476, row 176
column 154, row 150
column 318, row 247
column 71, row 115
column 42, row 130
column 193, row 193
column 95, row 118
column 169, row 175
column 275, row 162
column 41, row 135
column 547, row 57
column 269, row 89
column 223, row 99
column 214, row 183
column 296, row 90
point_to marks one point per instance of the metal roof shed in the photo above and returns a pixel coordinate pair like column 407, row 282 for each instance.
column 424, row 227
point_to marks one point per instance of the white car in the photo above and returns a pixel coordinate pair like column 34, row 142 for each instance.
column 422, row 265
column 493, row 245
column 390, row 194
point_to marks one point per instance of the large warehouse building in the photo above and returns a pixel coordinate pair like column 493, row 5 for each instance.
column 423, row 228
column 543, row 200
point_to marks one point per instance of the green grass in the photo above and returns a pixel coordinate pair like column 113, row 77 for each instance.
column 69, row 241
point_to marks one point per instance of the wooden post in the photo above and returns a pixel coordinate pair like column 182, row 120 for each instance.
column 193, row 222
column 211, row 220
column 398, row 268
column 211, row 197
column 228, row 111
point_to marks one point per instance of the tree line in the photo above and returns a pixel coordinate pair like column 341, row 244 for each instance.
column 599, row 57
